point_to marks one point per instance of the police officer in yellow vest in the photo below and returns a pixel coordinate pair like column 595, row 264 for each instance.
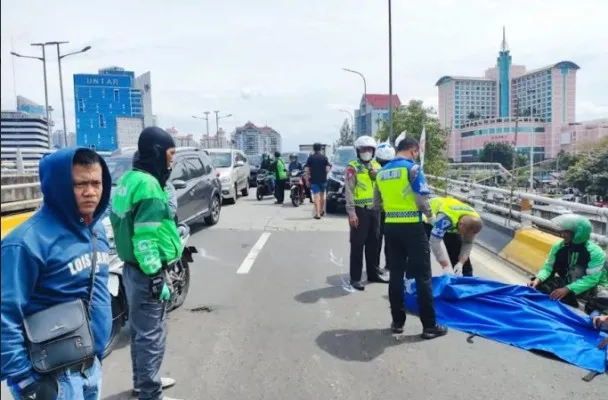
column 453, row 234
column 364, row 222
column 402, row 192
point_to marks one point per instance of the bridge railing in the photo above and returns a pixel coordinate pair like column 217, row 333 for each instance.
column 16, row 161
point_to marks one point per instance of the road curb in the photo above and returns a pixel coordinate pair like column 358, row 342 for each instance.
column 10, row 222
column 529, row 249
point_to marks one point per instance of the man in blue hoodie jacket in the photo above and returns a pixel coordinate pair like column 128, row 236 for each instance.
column 47, row 261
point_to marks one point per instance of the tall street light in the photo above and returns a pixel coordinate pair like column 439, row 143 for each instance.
column 59, row 58
column 206, row 118
column 46, row 90
column 390, row 72
column 217, row 120
column 364, row 86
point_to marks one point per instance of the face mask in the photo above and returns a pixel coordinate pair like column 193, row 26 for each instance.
column 365, row 156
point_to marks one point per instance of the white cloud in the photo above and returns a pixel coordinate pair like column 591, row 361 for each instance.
column 280, row 62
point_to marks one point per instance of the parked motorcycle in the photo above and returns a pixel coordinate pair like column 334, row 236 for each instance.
column 263, row 184
column 297, row 188
column 178, row 278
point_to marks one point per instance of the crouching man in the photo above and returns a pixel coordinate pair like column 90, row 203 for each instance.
column 575, row 267
column 452, row 234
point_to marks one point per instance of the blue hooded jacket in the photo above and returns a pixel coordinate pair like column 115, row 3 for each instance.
column 47, row 260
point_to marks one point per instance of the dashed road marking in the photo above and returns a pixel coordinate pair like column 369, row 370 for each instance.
column 248, row 262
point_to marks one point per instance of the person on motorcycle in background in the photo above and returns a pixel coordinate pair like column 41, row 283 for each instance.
column 384, row 153
column 575, row 266
column 147, row 241
column 266, row 165
column 294, row 164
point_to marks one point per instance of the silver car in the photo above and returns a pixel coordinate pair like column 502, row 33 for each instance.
column 234, row 169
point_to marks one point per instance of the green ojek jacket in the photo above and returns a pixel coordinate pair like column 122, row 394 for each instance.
column 144, row 230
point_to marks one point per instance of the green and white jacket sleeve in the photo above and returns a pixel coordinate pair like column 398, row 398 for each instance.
column 595, row 273
column 151, row 207
column 547, row 268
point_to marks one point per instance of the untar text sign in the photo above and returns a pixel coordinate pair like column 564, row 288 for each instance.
column 101, row 80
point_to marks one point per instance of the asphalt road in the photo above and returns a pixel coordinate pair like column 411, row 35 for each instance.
column 281, row 326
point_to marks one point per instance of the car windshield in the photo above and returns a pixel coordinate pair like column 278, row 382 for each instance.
column 221, row 160
column 344, row 156
column 118, row 166
column 256, row 161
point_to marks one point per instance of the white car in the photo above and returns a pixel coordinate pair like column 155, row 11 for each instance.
column 233, row 168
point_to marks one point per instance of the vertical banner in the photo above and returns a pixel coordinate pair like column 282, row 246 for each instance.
column 400, row 138
column 422, row 146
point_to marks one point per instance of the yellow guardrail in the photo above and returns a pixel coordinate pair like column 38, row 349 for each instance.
column 10, row 222
column 529, row 249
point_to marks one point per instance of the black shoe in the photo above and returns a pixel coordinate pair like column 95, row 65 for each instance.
column 357, row 285
column 317, row 216
column 434, row 332
column 377, row 279
column 397, row 328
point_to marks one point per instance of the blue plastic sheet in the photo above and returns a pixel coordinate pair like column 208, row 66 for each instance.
column 515, row 315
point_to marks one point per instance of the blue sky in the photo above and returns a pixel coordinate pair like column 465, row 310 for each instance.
column 280, row 62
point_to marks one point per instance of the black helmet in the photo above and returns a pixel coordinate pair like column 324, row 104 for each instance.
column 293, row 157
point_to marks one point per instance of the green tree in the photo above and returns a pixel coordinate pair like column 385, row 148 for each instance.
column 498, row 152
column 565, row 160
column 590, row 173
column 411, row 118
column 347, row 137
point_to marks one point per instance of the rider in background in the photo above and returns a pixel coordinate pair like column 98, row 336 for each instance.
column 294, row 164
column 575, row 266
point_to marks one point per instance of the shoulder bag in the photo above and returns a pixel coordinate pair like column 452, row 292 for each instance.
column 60, row 336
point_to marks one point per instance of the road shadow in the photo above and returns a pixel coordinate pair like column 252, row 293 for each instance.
column 333, row 291
column 361, row 345
column 120, row 396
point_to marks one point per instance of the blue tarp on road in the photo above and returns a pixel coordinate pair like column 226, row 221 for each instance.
column 515, row 315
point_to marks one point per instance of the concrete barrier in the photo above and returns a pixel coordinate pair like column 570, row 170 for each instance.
column 529, row 249
column 10, row 222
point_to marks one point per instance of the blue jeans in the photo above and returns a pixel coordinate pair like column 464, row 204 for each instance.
column 148, row 322
column 77, row 385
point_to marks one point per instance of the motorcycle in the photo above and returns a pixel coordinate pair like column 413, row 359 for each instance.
column 263, row 184
column 297, row 190
column 177, row 275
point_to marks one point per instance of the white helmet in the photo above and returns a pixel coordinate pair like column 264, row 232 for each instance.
column 365, row 141
column 385, row 152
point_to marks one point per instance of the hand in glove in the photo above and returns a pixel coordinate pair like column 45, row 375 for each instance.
column 448, row 270
column 158, row 287
column 458, row 269
column 44, row 388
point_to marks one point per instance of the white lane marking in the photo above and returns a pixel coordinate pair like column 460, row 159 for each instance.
column 253, row 254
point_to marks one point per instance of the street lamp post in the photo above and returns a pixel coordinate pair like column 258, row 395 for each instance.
column 531, row 91
column 59, row 58
column 206, row 118
column 390, row 72
column 46, row 90
column 364, row 88
column 217, row 120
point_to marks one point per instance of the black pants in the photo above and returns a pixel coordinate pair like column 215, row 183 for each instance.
column 364, row 238
column 279, row 190
column 380, row 240
column 453, row 244
column 409, row 252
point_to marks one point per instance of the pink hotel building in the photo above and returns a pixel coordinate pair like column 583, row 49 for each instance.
column 483, row 109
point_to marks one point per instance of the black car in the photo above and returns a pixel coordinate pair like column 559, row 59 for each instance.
column 195, row 180
column 334, row 197
column 254, row 164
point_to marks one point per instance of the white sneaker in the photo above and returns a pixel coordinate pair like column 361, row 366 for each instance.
column 166, row 383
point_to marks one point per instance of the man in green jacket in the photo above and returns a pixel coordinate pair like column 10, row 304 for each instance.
column 575, row 266
column 278, row 167
column 147, row 241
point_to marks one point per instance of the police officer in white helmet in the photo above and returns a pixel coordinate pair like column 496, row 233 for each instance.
column 360, row 176
column 384, row 153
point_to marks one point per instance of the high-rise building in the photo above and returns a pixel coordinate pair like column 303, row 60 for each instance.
column 484, row 109
column 30, row 107
column 372, row 112
column 253, row 140
column 218, row 141
column 101, row 98
column 20, row 130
